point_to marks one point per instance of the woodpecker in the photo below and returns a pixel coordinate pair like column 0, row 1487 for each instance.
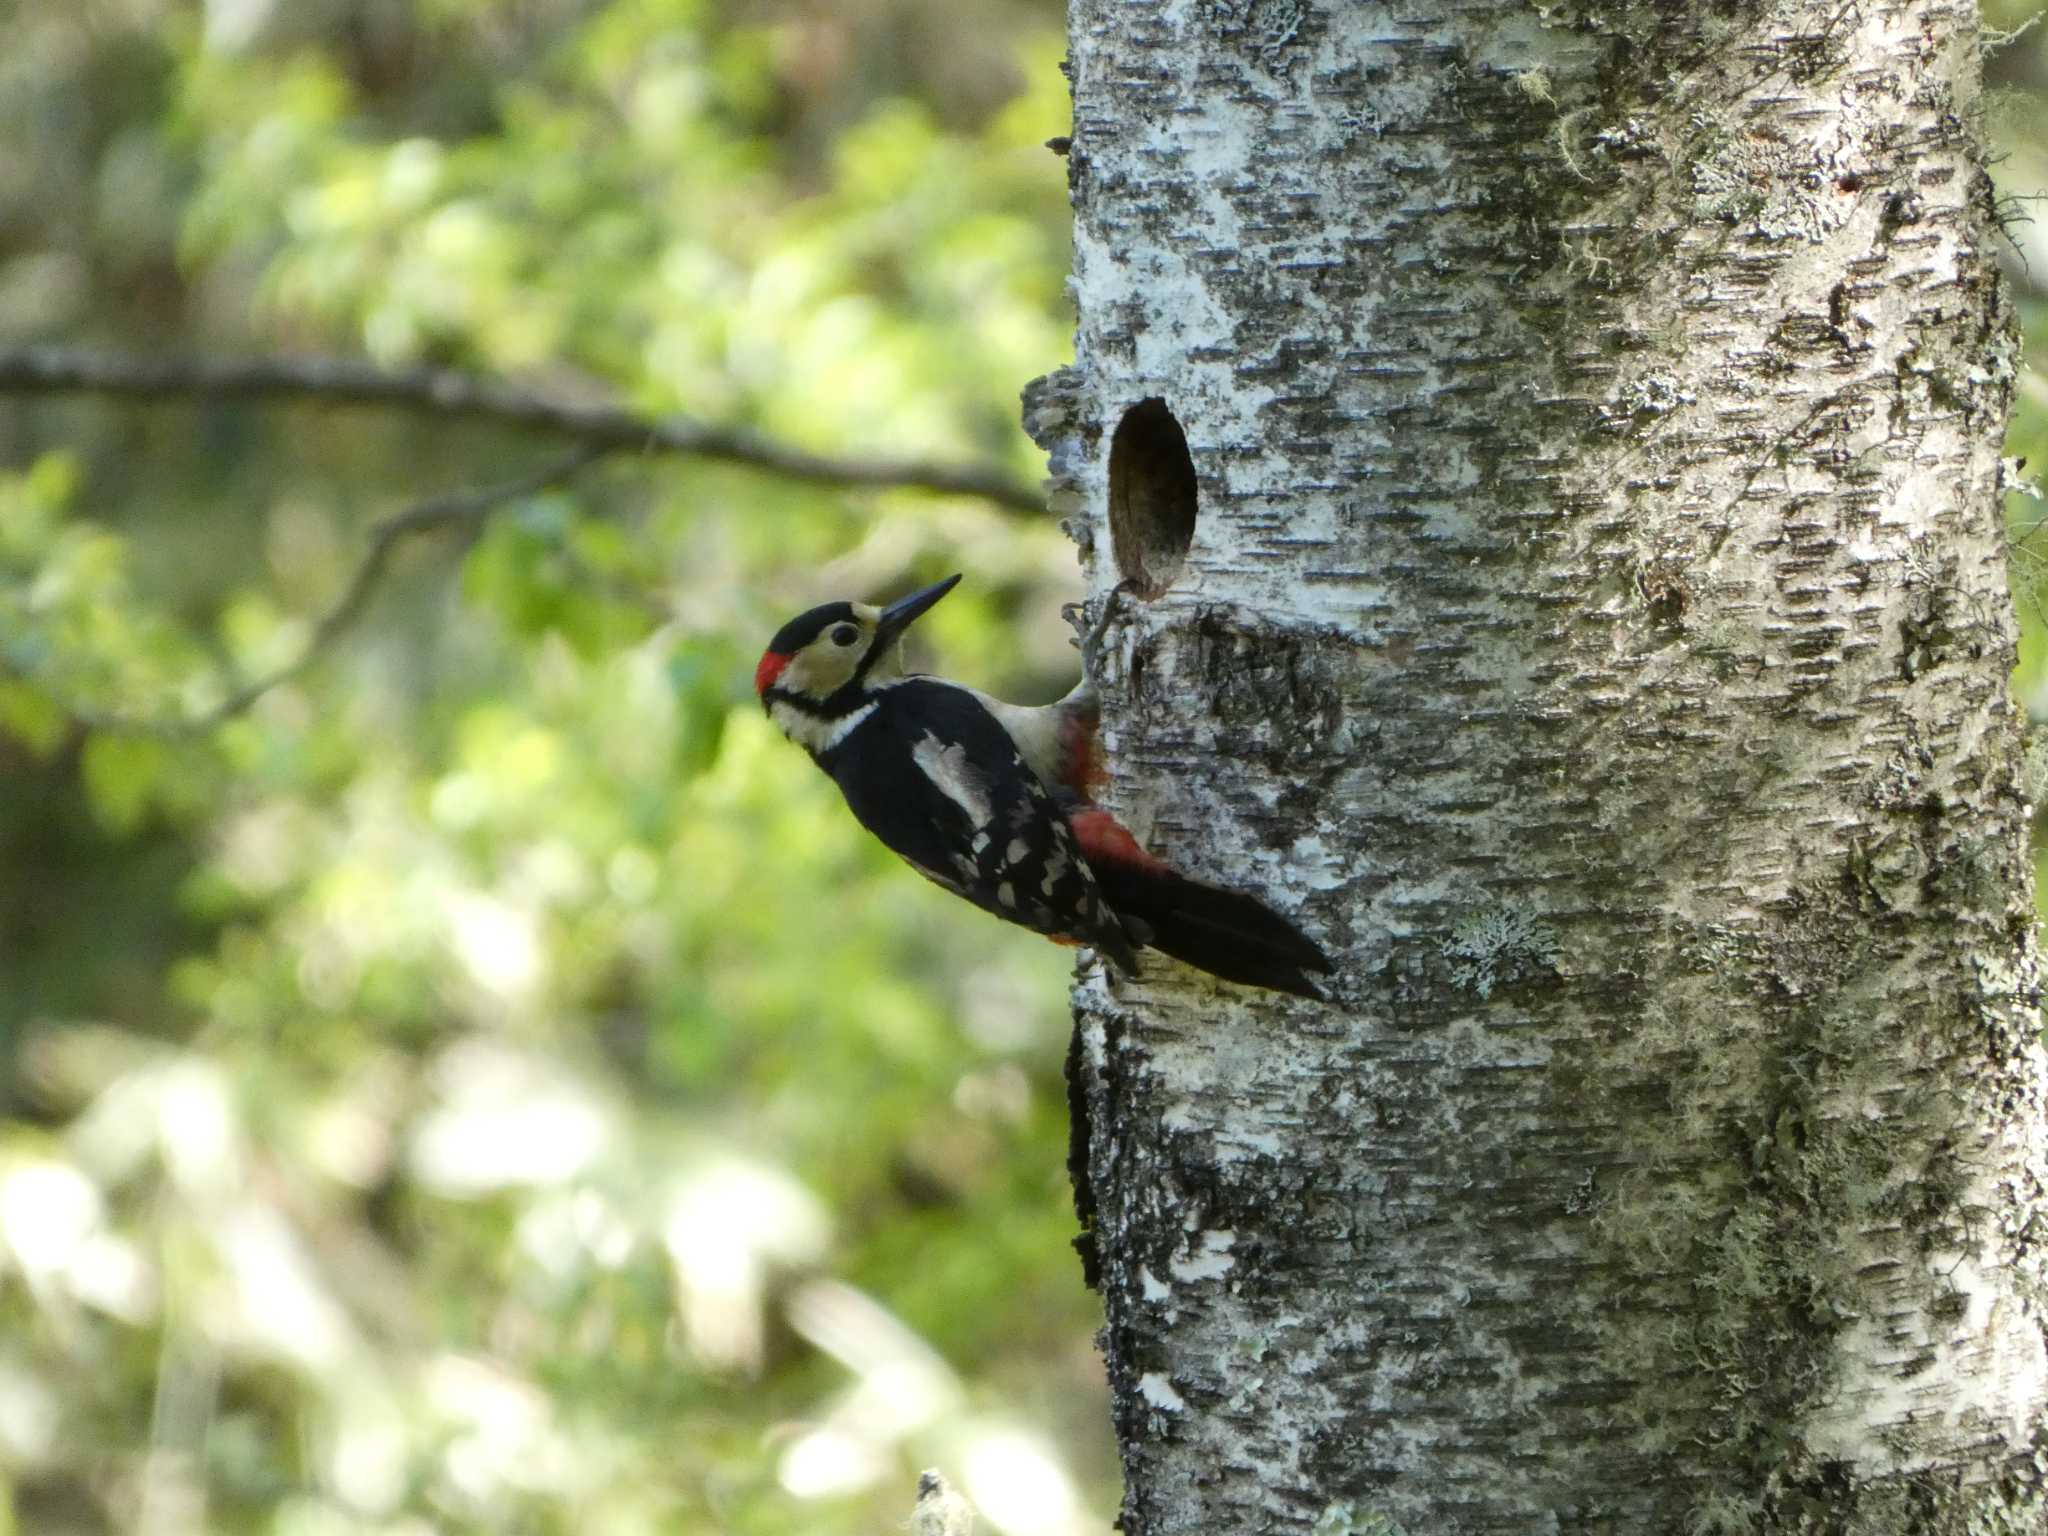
column 995, row 801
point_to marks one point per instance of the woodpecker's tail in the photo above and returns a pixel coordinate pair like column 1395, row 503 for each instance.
column 1225, row 933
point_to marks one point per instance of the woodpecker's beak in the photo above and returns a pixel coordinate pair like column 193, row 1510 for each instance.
column 906, row 611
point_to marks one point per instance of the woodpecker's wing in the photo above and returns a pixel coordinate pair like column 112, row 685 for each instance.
column 937, row 778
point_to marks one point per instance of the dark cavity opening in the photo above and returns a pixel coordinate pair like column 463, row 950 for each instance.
column 1151, row 497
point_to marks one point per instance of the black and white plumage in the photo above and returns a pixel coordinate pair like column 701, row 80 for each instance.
column 967, row 811
column 993, row 801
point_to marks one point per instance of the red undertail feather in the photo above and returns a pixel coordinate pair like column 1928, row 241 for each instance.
column 1083, row 766
column 1106, row 841
column 1225, row 933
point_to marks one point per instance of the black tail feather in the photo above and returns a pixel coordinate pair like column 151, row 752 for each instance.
column 1225, row 933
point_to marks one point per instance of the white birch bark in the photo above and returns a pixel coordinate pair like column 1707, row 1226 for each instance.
column 1594, row 628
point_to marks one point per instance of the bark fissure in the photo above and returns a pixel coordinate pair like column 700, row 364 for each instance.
column 1595, row 627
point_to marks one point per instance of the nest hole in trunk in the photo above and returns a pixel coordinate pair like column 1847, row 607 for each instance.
column 1151, row 497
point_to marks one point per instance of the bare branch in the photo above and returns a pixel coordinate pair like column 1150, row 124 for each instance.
column 466, row 396
column 940, row 1511
column 464, row 511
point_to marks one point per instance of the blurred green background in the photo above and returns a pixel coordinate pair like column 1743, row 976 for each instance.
column 491, row 1085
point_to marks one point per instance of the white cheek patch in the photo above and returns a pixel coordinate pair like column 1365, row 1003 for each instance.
column 815, row 675
column 948, row 769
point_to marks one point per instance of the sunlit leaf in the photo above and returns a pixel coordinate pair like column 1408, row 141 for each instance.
column 122, row 775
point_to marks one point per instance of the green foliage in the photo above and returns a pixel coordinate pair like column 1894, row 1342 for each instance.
column 2016, row 74
column 490, row 1084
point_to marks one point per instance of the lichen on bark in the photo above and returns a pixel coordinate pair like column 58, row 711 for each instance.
column 1594, row 627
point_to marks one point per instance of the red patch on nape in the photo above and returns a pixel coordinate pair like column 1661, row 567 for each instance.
column 1105, row 840
column 1085, row 769
column 772, row 663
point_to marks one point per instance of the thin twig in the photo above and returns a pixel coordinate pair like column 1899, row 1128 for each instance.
column 464, row 510
column 471, row 397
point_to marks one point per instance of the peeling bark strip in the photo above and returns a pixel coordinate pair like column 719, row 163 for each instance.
column 1594, row 618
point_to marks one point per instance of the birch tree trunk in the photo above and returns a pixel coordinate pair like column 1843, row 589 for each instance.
column 1546, row 457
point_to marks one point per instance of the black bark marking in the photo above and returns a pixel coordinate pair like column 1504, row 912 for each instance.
column 1077, row 1161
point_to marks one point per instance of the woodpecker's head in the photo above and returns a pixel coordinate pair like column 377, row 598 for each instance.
column 820, row 665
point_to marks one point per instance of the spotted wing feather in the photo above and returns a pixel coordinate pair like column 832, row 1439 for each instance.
column 936, row 777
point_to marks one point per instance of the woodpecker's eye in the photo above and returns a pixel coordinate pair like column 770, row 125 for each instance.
column 844, row 634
